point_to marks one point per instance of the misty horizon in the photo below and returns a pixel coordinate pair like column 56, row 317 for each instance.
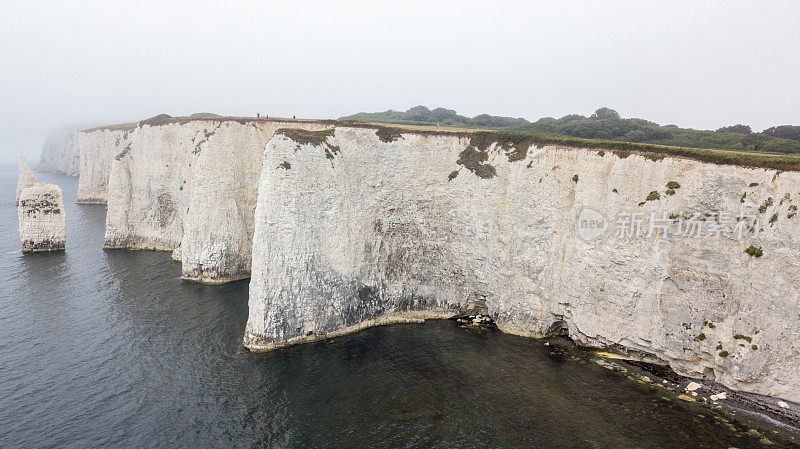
column 696, row 66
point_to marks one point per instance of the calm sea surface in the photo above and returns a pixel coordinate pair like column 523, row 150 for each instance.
column 111, row 349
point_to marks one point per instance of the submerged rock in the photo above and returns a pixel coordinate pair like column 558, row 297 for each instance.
column 719, row 396
column 693, row 386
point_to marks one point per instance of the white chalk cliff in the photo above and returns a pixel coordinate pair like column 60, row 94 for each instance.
column 352, row 229
column 40, row 211
column 97, row 148
column 25, row 177
column 60, row 153
column 189, row 185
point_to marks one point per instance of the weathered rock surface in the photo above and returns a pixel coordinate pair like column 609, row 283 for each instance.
column 60, row 153
column 353, row 230
column 26, row 178
column 218, row 232
column 97, row 148
column 40, row 211
column 189, row 186
column 150, row 185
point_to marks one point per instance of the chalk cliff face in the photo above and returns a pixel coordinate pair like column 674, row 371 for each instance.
column 60, row 153
column 353, row 229
column 189, row 186
column 26, row 178
column 150, row 185
column 218, row 230
column 40, row 211
column 97, row 148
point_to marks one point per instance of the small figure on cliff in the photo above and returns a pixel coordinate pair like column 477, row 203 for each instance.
column 258, row 115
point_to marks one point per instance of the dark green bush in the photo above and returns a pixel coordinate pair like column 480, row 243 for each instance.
column 606, row 124
column 746, row 338
column 753, row 251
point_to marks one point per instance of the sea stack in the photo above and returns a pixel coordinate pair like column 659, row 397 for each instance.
column 26, row 177
column 40, row 209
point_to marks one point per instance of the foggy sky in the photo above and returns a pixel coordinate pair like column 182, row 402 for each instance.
column 699, row 64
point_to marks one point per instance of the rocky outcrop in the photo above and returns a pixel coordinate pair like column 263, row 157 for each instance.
column 26, row 178
column 60, row 153
column 97, row 148
column 189, row 185
column 360, row 226
column 40, row 211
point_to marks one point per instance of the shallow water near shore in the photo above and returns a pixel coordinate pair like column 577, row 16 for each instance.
column 112, row 349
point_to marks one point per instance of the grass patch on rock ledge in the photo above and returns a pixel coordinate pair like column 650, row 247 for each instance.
column 746, row 338
column 388, row 134
column 653, row 196
column 474, row 160
column 304, row 136
column 315, row 138
column 754, row 252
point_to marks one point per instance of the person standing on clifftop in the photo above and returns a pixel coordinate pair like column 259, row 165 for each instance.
column 258, row 115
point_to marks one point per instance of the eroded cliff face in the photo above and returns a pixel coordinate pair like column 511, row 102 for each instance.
column 97, row 148
column 218, row 231
column 189, row 186
column 40, row 213
column 60, row 153
column 150, row 185
column 353, row 229
column 25, row 177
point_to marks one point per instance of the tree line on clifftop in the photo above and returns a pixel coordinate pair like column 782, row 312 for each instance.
column 605, row 124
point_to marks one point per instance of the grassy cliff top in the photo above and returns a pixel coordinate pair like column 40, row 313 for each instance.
column 164, row 119
column 606, row 124
column 481, row 137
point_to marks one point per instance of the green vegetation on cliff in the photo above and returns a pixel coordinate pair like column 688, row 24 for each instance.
column 515, row 139
column 605, row 124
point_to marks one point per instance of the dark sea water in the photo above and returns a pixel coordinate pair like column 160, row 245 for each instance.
column 111, row 349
